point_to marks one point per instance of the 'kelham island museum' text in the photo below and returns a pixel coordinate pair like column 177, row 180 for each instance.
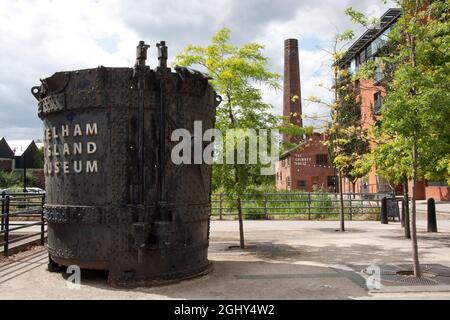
column 63, row 147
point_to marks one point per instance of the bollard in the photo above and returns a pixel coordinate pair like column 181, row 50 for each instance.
column 432, row 222
column 384, row 214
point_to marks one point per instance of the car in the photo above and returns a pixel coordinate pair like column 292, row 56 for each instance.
column 35, row 190
column 31, row 190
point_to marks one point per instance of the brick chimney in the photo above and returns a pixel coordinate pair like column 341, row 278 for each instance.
column 292, row 109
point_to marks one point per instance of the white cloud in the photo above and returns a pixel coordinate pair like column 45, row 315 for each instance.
column 38, row 38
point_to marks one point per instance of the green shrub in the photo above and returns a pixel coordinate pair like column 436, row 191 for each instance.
column 14, row 179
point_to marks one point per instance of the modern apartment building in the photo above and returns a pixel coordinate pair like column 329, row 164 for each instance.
column 371, row 93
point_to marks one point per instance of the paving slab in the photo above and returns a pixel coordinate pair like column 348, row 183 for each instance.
column 284, row 260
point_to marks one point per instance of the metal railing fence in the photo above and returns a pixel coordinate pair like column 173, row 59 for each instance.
column 302, row 205
column 21, row 216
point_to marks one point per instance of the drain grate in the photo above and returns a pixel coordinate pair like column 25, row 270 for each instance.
column 402, row 275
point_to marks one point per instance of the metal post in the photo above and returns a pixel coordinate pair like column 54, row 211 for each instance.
column 350, row 208
column 42, row 221
column 265, row 206
column 6, row 239
column 220, row 207
column 24, row 173
column 384, row 215
column 432, row 221
column 3, row 211
column 309, row 205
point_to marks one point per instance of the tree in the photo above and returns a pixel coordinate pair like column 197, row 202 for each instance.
column 236, row 72
column 347, row 142
column 14, row 179
column 38, row 161
column 392, row 159
column 416, row 110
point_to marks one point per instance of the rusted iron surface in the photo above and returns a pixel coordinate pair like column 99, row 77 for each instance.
column 115, row 200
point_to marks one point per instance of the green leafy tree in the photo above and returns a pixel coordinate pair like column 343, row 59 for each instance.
column 39, row 158
column 237, row 75
column 14, row 179
column 416, row 109
column 347, row 140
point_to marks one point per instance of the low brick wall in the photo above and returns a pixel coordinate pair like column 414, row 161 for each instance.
column 438, row 193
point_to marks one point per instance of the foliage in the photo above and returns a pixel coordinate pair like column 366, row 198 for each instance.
column 347, row 139
column 39, row 158
column 237, row 75
column 415, row 123
column 236, row 72
column 416, row 108
column 348, row 142
column 14, row 179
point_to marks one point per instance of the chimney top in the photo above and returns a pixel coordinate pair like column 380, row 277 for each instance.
column 291, row 43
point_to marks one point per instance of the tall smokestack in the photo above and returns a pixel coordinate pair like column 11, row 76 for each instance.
column 292, row 99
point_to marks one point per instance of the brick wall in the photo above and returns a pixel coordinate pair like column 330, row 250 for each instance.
column 438, row 193
column 301, row 167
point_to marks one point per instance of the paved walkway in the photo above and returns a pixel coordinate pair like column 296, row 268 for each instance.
column 289, row 260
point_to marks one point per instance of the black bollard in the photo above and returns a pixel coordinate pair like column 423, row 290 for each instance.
column 384, row 214
column 432, row 222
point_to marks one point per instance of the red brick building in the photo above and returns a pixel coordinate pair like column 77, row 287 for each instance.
column 367, row 47
column 305, row 167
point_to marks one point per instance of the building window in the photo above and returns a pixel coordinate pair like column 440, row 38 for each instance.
column 331, row 181
column 368, row 51
column 378, row 75
column 301, row 183
column 321, row 159
column 357, row 62
column 288, row 181
column 362, row 57
column 378, row 103
column 353, row 66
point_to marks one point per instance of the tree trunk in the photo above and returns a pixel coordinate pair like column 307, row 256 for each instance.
column 241, row 223
column 415, row 253
column 239, row 207
column 416, row 264
column 341, row 198
column 406, row 209
column 237, row 180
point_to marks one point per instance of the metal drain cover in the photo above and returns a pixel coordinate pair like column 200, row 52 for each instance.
column 401, row 275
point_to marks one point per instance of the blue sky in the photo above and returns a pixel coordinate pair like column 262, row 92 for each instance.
column 38, row 38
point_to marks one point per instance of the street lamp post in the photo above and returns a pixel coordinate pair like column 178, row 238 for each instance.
column 24, row 173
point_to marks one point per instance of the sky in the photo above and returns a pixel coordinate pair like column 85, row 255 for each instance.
column 39, row 38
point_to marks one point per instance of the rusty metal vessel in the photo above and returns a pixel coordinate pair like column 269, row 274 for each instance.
column 114, row 199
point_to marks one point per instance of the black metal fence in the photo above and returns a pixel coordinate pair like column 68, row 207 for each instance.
column 298, row 205
column 22, row 219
